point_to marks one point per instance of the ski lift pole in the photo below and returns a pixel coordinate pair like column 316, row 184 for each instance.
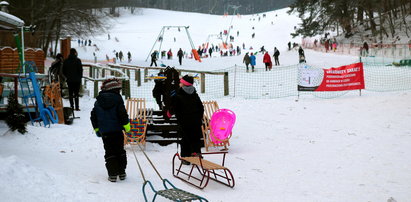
column 189, row 38
column 155, row 42
column 161, row 41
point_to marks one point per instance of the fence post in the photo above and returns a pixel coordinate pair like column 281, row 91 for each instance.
column 138, row 77
column 95, row 89
column 90, row 71
column 202, row 80
column 126, row 88
column 145, row 74
column 103, row 73
column 226, row 86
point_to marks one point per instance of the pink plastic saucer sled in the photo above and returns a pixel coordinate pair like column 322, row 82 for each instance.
column 221, row 123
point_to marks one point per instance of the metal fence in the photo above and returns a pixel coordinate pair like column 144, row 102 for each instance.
column 236, row 82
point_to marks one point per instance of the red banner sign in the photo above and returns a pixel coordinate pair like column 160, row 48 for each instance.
column 349, row 77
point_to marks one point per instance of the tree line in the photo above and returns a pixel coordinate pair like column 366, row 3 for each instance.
column 384, row 18
column 81, row 18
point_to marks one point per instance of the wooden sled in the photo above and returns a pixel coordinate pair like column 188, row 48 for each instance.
column 136, row 109
column 209, row 108
column 52, row 96
column 201, row 171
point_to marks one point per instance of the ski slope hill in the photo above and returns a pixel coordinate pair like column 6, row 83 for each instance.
column 138, row 33
column 353, row 148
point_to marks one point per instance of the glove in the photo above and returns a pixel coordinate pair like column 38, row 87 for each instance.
column 97, row 131
column 168, row 114
column 127, row 127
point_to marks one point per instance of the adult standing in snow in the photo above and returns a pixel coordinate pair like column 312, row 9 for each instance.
column 180, row 55
column 267, row 61
column 169, row 55
column 56, row 70
column 210, row 52
column 246, row 61
column 276, row 55
column 189, row 111
column 252, row 61
column 365, row 48
column 129, row 56
column 73, row 71
column 301, row 55
column 154, row 58
column 120, row 55
column 109, row 118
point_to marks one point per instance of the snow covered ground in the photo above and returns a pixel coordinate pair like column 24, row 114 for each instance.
column 352, row 148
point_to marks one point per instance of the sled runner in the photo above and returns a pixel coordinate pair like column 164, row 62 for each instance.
column 170, row 191
column 136, row 109
column 201, row 171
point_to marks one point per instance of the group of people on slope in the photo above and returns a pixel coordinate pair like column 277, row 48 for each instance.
column 154, row 57
column 251, row 60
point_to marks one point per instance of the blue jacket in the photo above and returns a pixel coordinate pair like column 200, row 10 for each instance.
column 252, row 60
column 109, row 113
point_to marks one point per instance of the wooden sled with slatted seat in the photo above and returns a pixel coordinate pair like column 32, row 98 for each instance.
column 209, row 108
column 200, row 171
column 136, row 109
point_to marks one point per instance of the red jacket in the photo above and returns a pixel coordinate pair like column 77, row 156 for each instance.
column 267, row 58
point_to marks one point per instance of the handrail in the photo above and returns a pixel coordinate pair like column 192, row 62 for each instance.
column 127, row 66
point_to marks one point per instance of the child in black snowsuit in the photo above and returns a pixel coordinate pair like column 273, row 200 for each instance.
column 189, row 111
column 109, row 118
column 158, row 90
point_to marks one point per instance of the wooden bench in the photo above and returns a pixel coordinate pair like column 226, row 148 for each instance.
column 205, row 170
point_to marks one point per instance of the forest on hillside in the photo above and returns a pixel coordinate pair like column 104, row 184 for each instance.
column 80, row 18
column 56, row 18
column 381, row 18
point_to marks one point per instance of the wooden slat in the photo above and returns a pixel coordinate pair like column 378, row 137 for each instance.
column 206, row 164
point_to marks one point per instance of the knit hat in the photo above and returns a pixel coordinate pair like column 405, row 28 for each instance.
column 111, row 84
column 187, row 80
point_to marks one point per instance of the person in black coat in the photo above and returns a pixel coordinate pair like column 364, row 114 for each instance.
column 189, row 111
column 301, row 55
column 180, row 55
column 109, row 118
column 154, row 59
column 158, row 90
column 73, row 71
column 276, row 55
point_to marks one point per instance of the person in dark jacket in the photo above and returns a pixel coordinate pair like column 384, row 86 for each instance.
column 109, row 118
column 365, row 48
column 154, row 59
column 158, row 90
column 276, row 55
column 189, row 111
column 180, row 55
column 246, row 60
column 73, row 71
column 56, row 70
column 301, row 55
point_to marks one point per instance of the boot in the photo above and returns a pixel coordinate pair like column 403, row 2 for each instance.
column 76, row 101
column 122, row 176
column 112, row 178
